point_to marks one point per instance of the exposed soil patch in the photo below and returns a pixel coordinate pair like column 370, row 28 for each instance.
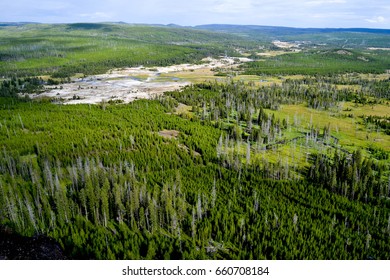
column 183, row 109
column 285, row 45
column 185, row 148
column 380, row 49
column 196, row 154
column 100, row 88
column 169, row 134
column 343, row 52
column 363, row 58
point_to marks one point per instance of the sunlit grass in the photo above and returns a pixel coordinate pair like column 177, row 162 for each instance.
column 349, row 131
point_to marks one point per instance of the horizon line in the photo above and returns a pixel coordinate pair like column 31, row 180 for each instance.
column 185, row 26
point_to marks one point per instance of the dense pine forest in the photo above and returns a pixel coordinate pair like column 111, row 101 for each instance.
column 284, row 157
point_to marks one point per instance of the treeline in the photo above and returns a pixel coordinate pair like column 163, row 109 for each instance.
column 223, row 100
column 351, row 176
column 319, row 62
column 378, row 122
column 239, row 110
column 237, row 101
column 167, row 55
column 65, row 50
column 16, row 87
column 101, row 62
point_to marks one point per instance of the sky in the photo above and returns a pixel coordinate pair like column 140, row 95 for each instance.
column 292, row 13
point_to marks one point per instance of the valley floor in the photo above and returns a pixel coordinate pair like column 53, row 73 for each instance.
column 128, row 84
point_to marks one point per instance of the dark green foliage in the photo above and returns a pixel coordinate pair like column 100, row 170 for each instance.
column 378, row 122
column 350, row 176
column 308, row 37
column 89, row 48
column 379, row 153
column 16, row 87
column 108, row 181
column 324, row 62
column 107, row 186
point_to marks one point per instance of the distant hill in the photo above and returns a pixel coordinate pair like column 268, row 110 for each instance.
column 16, row 23
column 335, row 37
column 281, row 30
column 244, row 29
column 63, row 50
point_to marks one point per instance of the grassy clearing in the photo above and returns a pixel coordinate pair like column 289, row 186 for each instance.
column 381, row 110
column 349, row 131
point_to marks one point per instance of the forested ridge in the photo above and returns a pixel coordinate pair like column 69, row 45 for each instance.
column 63, row 50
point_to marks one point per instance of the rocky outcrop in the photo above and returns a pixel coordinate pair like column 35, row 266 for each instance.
column 17, row 247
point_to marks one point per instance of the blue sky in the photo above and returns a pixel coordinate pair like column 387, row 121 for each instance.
column 300, row 13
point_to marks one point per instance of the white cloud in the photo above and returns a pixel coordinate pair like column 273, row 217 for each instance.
column 325, row 2
column 52, row 6
column 295, row 13
column 232, row 6
column 376, row 19
column 335, row 15
column 96, row 16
